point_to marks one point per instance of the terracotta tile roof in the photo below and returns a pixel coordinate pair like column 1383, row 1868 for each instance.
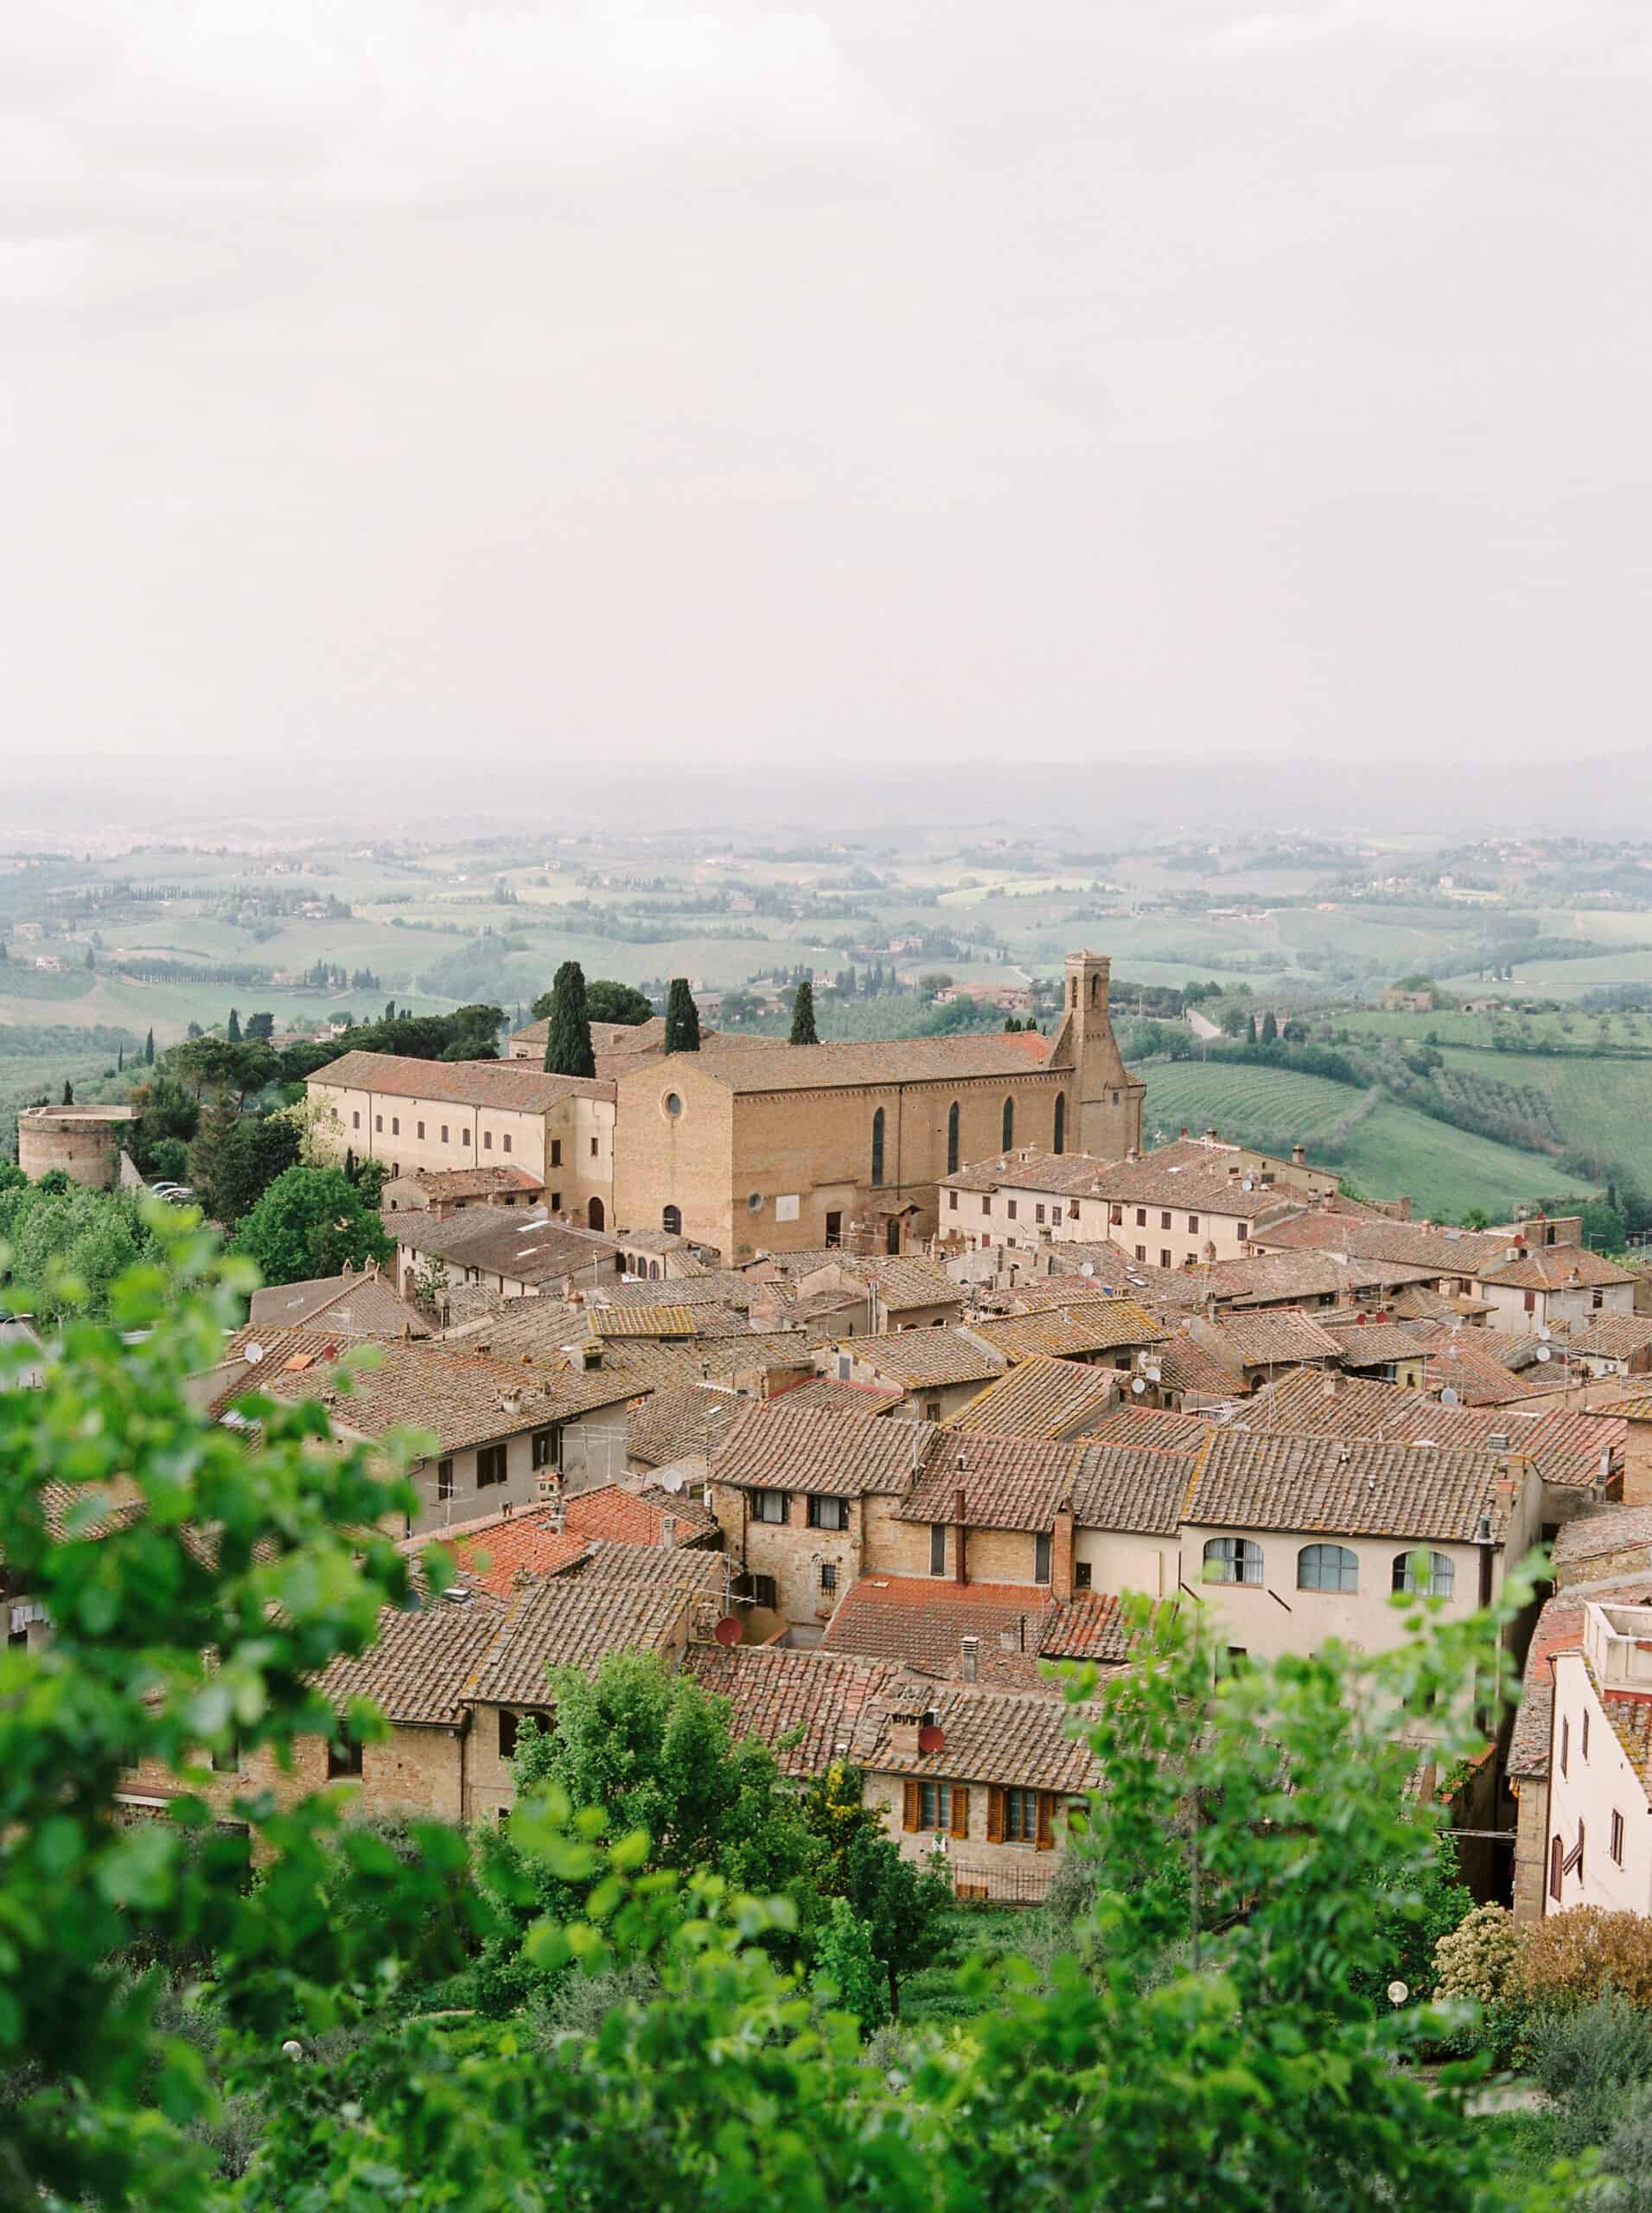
column 1280, row 1336
column 456, row 1184
column 1608, row 1529
column 922, row 1623
column 556, row 1622
column 1409, row 1244
column 1612, row 1336
column 1152, row 1428
column 1277, row 1277
column 492, row 1548
column 418, row 1666
column 1040, row 1398
column 1559, row 1629
column 615, row 1045
column 513, row 1086
column 904, row 1282
column 1556, row 1268
column 825, row 1394
column 619, row 1567
column 658, row 1320
column 525, row 1246
column 996, row 1737
column 719, row 1287
column 1195, row 1370
column 677, row 1423
column 364, row 1306
column 747, row 1064
column 1008, row 1482
column 1362, row 1489
column 913, row 1357
column 1374, row 1344
column 1630, row 1713
column 1456, row 1363
column 1088, row 1325
column 1633, row 1405
column 1112, row 1269
column 1025, row 1168
column 461, row 1398
column 1131, row 1488
column 774, row 1447
column 775, row 1694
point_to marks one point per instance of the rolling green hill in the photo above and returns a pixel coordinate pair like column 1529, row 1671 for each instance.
column 1385, row 1150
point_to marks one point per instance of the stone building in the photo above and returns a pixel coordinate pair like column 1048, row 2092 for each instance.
column 1600, row 1846
column 82, row 1142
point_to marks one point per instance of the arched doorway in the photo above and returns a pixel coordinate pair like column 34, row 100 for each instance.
column 595, row 1216
column 670, row 1221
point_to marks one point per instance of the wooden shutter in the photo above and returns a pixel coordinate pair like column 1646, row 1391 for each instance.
column 994, row 1815
column 960, row 1810
column 911, row 1809
column 1046, row 1821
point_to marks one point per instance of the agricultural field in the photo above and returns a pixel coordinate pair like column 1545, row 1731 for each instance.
column 1385, row 1149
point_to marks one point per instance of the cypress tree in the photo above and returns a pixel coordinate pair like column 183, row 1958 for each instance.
column 233, row 1034
column 120, row 1060
column 68, row 1093
column 803, row 1030
column 148, row 1050
column 567, row 1042
column 682, row 1018
column 1250, row 1029
column 1270, row 1028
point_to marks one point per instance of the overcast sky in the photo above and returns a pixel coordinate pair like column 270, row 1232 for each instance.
column 516, row 379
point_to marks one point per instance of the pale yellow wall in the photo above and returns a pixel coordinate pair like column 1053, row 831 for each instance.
column 377, row 1127
column 1590, row 1789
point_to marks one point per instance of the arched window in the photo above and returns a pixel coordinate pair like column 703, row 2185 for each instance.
column 596, row 1215
column 877, row 1148
column 952, row 1138
column 1327, row 1568
column 1059, row 1144
column 1424, row 1574
column 1095, row 991
column 1009, row 1124
column 670, row 1221
column 1233, row 1559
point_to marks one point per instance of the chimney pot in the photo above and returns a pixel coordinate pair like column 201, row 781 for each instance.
column 970, row 1658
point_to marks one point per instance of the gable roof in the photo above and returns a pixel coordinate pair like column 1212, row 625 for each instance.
column 921, row 1622
column 1556, row 1268
column 526, row 1247
column 1008, row 1482
column 440, row 1184
column 1088, row 1325
column 994, row 1737
column 1039, row 1398
column 680, row 1421
column 1276, row 1337
column 825, row 1394
column 420, row 1660
column 776, row 1447
column 364, row 1306
column 1360, row 1489
column 776, row 1693
column 560, row 1623
column 749, row 1064
column 1130, row 1489
column 512, row 1087
column 919, row 1356
column 491, row 1550
column 1153, row 1428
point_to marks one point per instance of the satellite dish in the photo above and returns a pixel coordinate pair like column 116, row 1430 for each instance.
column 670, row 1479
column 727, row 1631
column 1448, row 1397
column 1544, row 1353
column 252, row 1355
column 1087, row 1267
column 1139, row 1384
column 1544, row 1334
column 932, row 1737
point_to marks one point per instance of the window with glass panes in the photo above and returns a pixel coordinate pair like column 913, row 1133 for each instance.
column 1021, row 1817
column 934, row 1805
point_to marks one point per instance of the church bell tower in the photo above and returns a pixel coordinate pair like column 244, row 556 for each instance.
column 1105, row 1118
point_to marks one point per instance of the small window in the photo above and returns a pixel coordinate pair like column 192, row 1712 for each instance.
column 1531, row 1302
column 670, row 1221
column 1009, row 1124
column 877, row 1148
column 421, row 1129
column 764, row 1593
column 932, row 1406
column 951, row 1202
column 1141, row 1217
column 1565, row 1744
column 510, row 1726
column 556, row 1152
column 1596, row 1299
column 444, row 1479
column 546, row 1454
column 828, row 1513
column 673, row 1104
column 444, row 1132
column 1021, row 1817
column 1012, row 1208
column 1165, row 1218
column 486, row 1140
column 1557, row 1865
column 464, row 1137
column 1233, row 1559
column 1059, row 1144
column 556, row 1201
column 1424, row 1574
column 1038, row 1214
column 355, row 1119
column 1327, row 1568
column 1242, row 1230
column 1041, row 1557
column 1585, row 1732
column 1163, row 1256
column 828, row 1578
column 934, row 1807
column 226, row 1759
column 987, row 1205
column 506, row 1142
column 1193, row 1225
column 1084, row 1576
column 490, row 1466
column 593, row 1148
column 395, row 1126
column 952, row 1138
column 1615, row 1847
column 343, row 1759
column 1141, row 1252
column 937, row 1549
column 769, row 1505
column 378, row 1121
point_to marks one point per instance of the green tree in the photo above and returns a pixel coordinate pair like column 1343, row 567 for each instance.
column 232, row 1029
column 803, row 1030
column 845, row 1971
column 256, row 1149
column 682, row 1018
column 260, row 1025
column 148, row 1050
column 1270, row 1028
column 1250, row 1029
column 607, row 1001
column 68, row 1093
column 218, row 1116
column 567, row 1044
column 310, row 1222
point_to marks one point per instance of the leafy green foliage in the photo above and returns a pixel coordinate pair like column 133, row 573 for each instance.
column 846, row 1972
column 62, row 1245
column 607, row 1001
column 252, row 1151
column 308, row 1223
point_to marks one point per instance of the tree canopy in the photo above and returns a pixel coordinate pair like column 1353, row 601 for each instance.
column 803, row 1030
column 682, row 1018
column 567, row 1040
column 310, row 1222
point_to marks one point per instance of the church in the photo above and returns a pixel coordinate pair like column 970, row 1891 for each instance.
column 751, row 1145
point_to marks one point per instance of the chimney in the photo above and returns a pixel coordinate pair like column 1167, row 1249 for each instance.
column 904, row 1733
column 1331, row 1387
column 667, row 1531
column 960, row 1507
column 1061, row 1554
column 969, row 1659
column 1299, row 1156
column 592, row 1355
column 347, row 1271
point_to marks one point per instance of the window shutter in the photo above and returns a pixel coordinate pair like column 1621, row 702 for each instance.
column 994, row 1815
column 960, row 1810
column 911, row 1809
column 1046, row 1827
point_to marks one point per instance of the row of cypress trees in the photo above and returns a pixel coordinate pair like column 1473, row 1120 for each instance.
column 567, row 1042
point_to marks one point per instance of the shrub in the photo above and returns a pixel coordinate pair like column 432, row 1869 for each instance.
column 1626, row 2159
column 1588, row 2063
column 1480, row 1958
column 1571, row 1958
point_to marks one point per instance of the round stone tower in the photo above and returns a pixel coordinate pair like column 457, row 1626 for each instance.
column 83, row 1141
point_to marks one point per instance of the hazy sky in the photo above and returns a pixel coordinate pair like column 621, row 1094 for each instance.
column 522, row 380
